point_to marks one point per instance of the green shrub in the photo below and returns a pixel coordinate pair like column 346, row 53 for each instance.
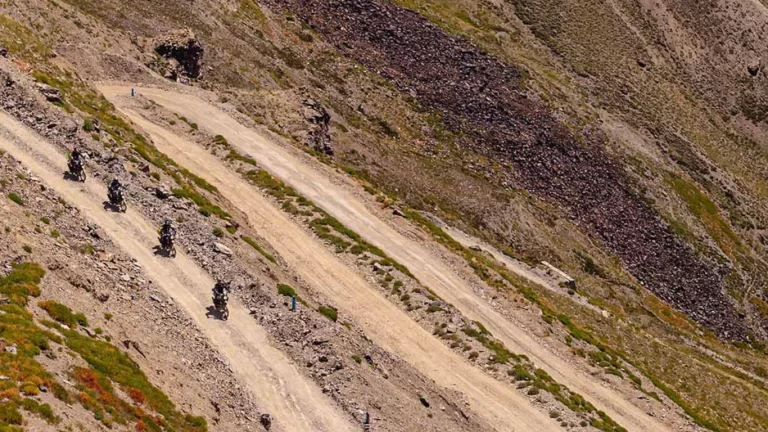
column 434, row 308
column 357, row 358
column 45, row 220
column 220, row 140
column 9, row 414
column 87, row 249
column 13, row 196
column 218, row 232
column 27, row 249
column 63, row 314
column 258, row 248
column 43, row 410
column 328, row 312
column 286, row 290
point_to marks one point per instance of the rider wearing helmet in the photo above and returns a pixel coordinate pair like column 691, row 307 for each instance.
column 115, row 186
column 221, row 289
column 76, row 155
column 168, row 230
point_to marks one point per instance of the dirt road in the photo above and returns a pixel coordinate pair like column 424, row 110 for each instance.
column 293, row 400
column 431, row 271
column 388, row 326
column 519, row 268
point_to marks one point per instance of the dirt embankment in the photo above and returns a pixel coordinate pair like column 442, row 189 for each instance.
column 480, row 97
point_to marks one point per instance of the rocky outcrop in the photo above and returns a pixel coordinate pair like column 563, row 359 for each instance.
column 480, row 98
column 51, row 94
column 318, row 136
column 183, row 53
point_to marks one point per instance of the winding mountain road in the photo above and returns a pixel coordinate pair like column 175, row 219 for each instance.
column 294, row 401
column 388, row 326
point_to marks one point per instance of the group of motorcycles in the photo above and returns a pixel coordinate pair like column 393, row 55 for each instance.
column 116, row 197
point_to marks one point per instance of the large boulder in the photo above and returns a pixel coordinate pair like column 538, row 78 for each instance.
column 183, row 53
column 50, row 93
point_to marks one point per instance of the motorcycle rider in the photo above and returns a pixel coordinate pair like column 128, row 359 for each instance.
column 220, row 298
column 221, row 289
column 76, row 156
column 115, row 189
column 167, row 231
column 167, row 236
column 76, row 161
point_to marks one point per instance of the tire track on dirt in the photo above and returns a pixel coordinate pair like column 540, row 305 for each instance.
column 294, row 401
column 389, row 327
column 431, row 271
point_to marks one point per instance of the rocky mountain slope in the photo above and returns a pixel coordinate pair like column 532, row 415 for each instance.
column 620, row 141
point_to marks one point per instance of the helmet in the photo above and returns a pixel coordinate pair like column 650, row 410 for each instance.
column 167, row 222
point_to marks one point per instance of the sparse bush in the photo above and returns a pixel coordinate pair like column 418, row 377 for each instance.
column 434, row 308
column 45, row 220
column 218, row 232
column 286, row 290
column 357, row 358
column 328, row 312
column 27, row 249
column 13, row 196
column 63, row 314
column 220, row 140
column 258, row 248
column 87, row 249
column 10, row 415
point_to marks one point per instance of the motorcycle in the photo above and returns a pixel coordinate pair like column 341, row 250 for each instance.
column 166, row 244
column 117, row 199
column 76, row 169
column 220, row 303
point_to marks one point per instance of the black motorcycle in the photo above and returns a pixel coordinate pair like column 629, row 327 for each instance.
column 167, row 244
column 117, row 200
column 76, row 169
column 220, row 303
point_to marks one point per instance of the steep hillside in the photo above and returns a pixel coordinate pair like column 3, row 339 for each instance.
column 619, row 140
